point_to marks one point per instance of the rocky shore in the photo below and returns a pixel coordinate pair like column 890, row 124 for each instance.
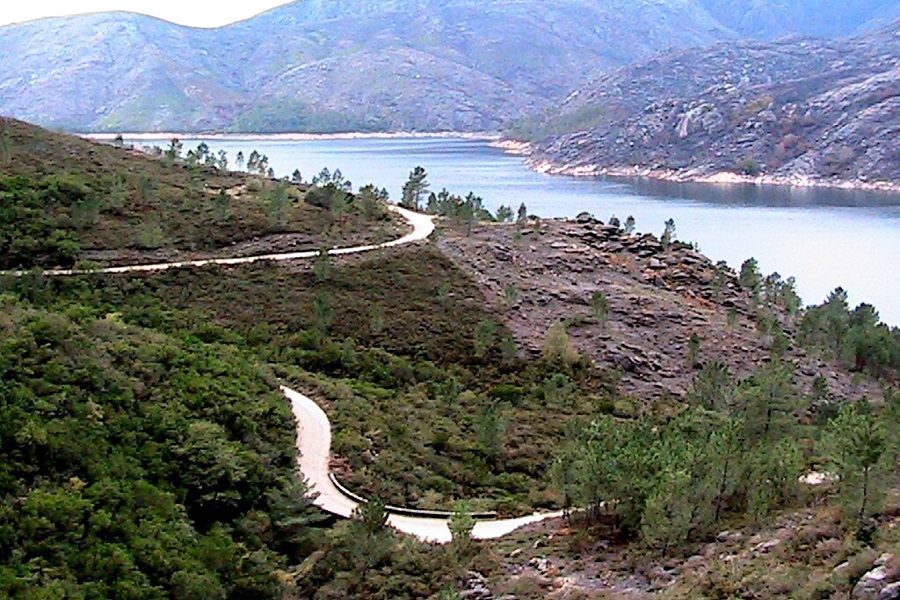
column 689, row 176
column 797, row 112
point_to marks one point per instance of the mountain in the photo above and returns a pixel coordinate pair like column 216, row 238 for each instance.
column 338, row 65
column 796, row 110
column 345, row 64
column 771, row 19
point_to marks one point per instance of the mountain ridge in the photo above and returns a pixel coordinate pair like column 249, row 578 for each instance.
column 124, row 71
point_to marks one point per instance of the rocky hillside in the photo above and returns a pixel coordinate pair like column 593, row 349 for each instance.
column 658, row 297
column 772, row 19
column 337, row 65
column 798, row 110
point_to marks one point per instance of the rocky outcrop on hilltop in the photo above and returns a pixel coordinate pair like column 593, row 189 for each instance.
column 798, row 111
column 659, row 297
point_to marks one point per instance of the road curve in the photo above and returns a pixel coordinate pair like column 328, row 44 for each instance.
column 314, row 446
column 423, row 227
column 313, row 427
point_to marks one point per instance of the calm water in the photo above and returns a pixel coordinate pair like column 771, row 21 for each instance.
column 825, row 238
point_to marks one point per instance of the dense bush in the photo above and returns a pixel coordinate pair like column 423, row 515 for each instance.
column 138, row 465
column 30, row 234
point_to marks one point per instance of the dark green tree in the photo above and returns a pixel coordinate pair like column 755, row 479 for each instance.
column 600, row 307
column 522, row 214
column 668, row 233
column 173, row 152
column 856, row 444
column 750, row 278
column 693, row 350
column 415, row 187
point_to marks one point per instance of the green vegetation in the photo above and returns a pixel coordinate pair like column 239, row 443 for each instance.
column 857, row 338
column 428, row 402
column 736, row 453
column 64, row 198
column 749, row 167
column 146, row 453
column 415, row 187
column 141, row 465
column 668, row 234
column 147, row 411
column 286, row 114
column 29, row 235
column 548, row 125
column 600, row 307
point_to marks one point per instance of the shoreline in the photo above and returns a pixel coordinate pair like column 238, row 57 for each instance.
column 526, row 150
column 292, row 137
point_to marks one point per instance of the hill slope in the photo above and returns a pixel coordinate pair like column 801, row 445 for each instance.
column 65, row 199
column 409, row 64
column 350, row 65
column 799, row 110
column 772, row 19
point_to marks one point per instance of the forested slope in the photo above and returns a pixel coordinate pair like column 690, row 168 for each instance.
column 139, row 464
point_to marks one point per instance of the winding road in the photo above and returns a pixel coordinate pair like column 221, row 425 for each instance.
column 313, row 426
column 423, row 227
column 314, row 444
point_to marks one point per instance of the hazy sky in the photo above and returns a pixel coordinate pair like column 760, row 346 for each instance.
column 195, row 13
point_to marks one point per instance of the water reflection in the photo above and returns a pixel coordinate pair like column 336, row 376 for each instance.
column 749, row 195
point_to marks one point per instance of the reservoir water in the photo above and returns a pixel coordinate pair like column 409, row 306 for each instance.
column 825, row 238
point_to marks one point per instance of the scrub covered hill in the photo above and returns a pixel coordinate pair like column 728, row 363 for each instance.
column 145, row 452
column 66, row 199
column 135, row 464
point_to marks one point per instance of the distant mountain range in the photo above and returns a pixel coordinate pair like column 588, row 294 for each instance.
column 337, row 65
column 799, row 110
column 772, row 19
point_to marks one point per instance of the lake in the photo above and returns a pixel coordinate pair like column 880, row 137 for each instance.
column 825, row 238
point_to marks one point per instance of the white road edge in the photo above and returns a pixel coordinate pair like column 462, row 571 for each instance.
column 313, row 427
column 314, row 445
column 423, row 227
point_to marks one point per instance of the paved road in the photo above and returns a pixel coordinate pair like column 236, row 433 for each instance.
column 423, row 227
column 314, row 444
column 313, row 427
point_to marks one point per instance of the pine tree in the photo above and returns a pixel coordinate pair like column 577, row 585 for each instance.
column 522, row 214
column 750, row 278
column 174, row 150
column 857, row 447
column 668, row 233
column 461, row 525
column 600, row 307
column 504, row 214
column 415, row 187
